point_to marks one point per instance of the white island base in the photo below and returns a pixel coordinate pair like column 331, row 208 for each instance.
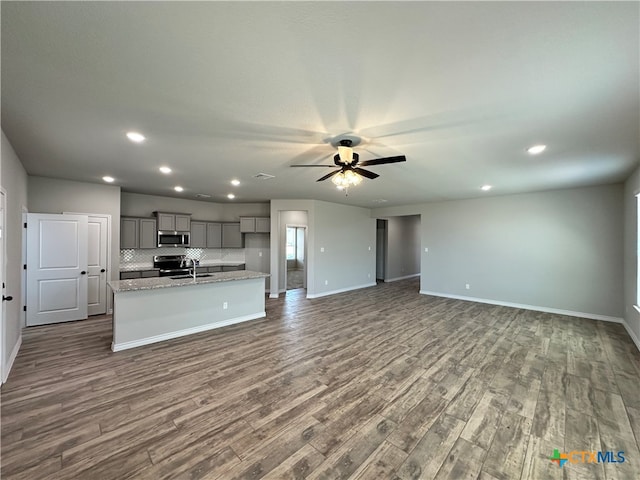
column 146, row 311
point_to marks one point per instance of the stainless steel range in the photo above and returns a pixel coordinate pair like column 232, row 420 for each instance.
column 170, row 265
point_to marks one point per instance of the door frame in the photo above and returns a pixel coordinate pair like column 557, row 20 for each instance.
column 109, row 266
column 295, row 225
column 3, row 278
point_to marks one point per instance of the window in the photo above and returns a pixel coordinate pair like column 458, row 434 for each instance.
column 291, row 243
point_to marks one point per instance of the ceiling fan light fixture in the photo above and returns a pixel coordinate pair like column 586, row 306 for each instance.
column 346, row 154
column 346, row 179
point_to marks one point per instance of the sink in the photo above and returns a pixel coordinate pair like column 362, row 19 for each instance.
column 183, row 277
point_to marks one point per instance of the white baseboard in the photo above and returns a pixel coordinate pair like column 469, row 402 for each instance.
column 631, row 333
column 388, row 280
column 591, row 316
column 12, row 357
column 116, row 347
column 341, row 290
column 273, row 295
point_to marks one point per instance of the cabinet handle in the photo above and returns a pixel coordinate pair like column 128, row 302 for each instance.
column 7, row 298
column 102, row 270
column 83, row 272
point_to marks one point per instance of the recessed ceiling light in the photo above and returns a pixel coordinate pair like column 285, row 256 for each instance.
column 178, row 188
column 235, row 182
column 165, row 169
column 486, row 188
column 108, row 179
column 231, row 196
column 536, row 149
column 136, row 137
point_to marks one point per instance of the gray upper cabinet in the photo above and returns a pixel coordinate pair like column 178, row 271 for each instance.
column 214, row 235
column 172, row 222
column 199, row 234
column 255, row 224
column 263, row 225
column 183, row 222
column 147, row 233
column 231, row 236
column 166, row 221
column 137, row 232
column 247, row 224
column 129, row 232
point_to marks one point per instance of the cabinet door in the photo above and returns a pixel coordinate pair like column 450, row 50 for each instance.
column 166, row 221
column 148, row 235
column 263, row 225
column 198, row 234
column 247, row 224
column 214, row 235
column 130, row 275
column 129, row 232
column 231, row 236
column 183, row 223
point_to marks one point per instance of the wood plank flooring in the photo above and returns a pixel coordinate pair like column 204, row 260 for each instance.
column 374, row 384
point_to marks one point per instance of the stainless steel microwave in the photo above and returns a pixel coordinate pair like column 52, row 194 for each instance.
column 173, row 239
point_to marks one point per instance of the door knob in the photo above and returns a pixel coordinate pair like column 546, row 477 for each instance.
column 83, row 272
column 7, row 298
column 102, row 270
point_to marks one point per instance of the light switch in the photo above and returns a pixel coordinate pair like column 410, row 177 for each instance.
column 321, row 249
column 426, row 249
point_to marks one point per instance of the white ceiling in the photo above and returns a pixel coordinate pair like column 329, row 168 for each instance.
column 226, row 90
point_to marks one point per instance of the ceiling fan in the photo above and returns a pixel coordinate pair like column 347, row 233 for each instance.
column 349, row 172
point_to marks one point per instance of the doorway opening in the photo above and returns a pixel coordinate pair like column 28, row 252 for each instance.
column 296, row 266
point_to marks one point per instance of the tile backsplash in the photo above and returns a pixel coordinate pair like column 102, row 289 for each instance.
column 134, row 259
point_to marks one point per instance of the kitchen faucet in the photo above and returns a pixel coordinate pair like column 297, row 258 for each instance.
column 186, row 261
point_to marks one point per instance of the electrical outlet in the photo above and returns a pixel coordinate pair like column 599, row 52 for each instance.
column 467, row 286
column 426, row 249
column 321, row 249
column 369, row 247
column 225, row 305
column 259, row 254
column 326, row 282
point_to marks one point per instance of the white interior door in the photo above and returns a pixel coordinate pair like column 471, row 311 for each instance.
column 97, row 266
column 56, row 268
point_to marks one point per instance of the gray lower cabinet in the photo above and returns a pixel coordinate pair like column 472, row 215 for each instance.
column 232, row 268
column 139, row 274
column 231, row 236
column 137, row 232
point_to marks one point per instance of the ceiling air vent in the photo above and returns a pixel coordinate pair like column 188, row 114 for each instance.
column 263, row 176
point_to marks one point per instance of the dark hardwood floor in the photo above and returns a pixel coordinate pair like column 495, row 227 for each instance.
column 373, row 384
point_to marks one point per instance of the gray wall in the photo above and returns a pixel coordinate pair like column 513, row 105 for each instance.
column 348, row 236
column 557, row 249
column 51, row 195
column 256, row 253
column 403, row 247
column 13, row 179
column 138, row 205
column 631, row 315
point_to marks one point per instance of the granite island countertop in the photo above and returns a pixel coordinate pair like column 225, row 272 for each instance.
column 167, row 282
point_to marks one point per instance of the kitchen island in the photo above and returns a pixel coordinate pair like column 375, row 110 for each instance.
column 150, row 310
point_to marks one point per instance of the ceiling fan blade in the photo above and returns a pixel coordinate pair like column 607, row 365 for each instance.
column 328, row 176
column 382, row 161
column 331, row 166
column 366, row 173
